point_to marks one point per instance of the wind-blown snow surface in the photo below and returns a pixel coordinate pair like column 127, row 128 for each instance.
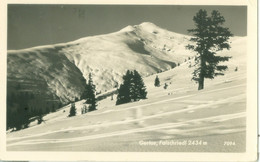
column 60, row 69
column 207, row 120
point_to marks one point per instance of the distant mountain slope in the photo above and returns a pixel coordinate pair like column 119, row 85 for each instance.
column 145, row 47
column 60, row 70
column 44, row 71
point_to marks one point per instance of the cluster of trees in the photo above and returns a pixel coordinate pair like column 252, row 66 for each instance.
column 89, row 94
column 22, row 106
column 158, row 84
column 132, row 89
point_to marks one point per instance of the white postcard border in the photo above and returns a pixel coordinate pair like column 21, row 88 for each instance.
column 251, row 135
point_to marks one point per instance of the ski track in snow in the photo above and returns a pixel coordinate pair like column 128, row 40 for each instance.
column 138, row 130
column 219, row 118
column 163, row 101
column 140, row 118
column 229, row 78
column 206, row 105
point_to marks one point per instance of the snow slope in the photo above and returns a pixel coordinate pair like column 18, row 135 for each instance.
column 145, row 47
column 60, row 70
column 178, row 118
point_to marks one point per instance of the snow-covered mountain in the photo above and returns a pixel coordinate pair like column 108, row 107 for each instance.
column 179, row 113
column 60, row 70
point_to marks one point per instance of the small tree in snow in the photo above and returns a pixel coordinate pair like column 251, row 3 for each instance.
column 157, row 81
column 84, row 109
column 89, row 94
column 73, row 110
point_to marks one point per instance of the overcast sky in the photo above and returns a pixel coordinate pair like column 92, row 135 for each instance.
column 33, row 25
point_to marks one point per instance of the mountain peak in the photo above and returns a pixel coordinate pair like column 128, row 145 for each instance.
column 149, row 27
column 146, row 24
column 127, row 28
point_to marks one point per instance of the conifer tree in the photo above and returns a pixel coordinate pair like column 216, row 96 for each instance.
column 89, row 94
column 157, row 81
column 209, row 37
column 139, row 87
column 124, row 89
column 73, row 110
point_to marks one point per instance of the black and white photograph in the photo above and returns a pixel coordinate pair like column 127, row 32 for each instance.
column 128, row 78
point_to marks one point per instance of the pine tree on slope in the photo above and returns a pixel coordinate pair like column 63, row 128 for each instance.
column 210, row 37
column 73, row 110
column 124, row 91
column 157, row 81
column 139, row 87
column 89, row 94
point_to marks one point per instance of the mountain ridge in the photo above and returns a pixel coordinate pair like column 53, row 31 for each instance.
column 125, row 29
column 64, row 67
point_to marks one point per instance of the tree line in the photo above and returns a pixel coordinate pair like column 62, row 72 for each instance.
column 131, row 90
column 89, row 94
